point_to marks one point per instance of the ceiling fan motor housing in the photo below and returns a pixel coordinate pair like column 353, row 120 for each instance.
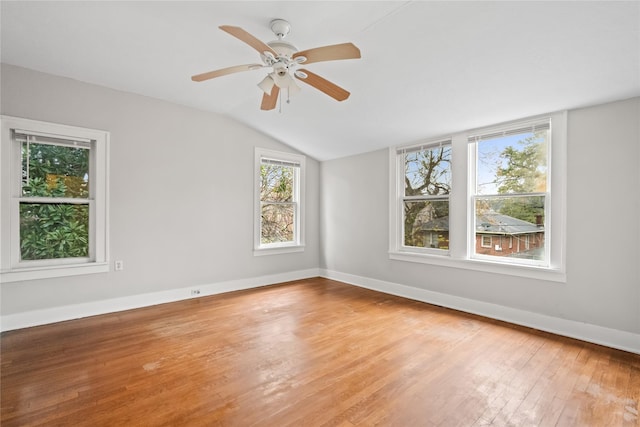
column 283, row 48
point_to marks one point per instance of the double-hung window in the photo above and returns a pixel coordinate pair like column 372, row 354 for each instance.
column 279, row 202
column 510, row 193
column 426, row 184
column 490, row 199
column 54, row 196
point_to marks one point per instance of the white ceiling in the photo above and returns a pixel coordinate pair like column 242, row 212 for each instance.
column 427, row 68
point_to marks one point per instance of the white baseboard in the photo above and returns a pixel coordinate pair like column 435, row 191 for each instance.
column 614, row 338
column 58, row 314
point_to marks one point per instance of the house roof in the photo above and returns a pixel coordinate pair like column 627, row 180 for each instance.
column 495, row 223
column 428, row 68
column 437, row 224
column 491, row 223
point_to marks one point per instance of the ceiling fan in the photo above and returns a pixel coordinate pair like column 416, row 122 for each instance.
column 285, row 60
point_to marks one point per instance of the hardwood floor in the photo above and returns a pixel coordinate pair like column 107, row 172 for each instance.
column 309, row 353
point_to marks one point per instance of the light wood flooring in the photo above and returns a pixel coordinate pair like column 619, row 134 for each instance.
column 309, row 353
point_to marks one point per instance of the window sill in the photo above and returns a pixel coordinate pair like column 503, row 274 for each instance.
column 276, row 250
column 531, row 272
column 35, row 273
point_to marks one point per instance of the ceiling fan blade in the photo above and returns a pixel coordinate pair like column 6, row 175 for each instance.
column 225, row 71
column 244, row 36
column 329, row 53
column 323, row 85
column 269, row 101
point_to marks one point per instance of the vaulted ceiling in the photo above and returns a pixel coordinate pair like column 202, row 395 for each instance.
column 427, row 68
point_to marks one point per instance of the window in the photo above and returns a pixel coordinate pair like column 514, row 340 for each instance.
column 279, row 202
column 54, row 199
column 506, row 210
column 510, row 191
column 426, row 184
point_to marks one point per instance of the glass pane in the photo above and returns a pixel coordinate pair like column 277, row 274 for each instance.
column 514, row 226
column 277, row 223
column 276, row 184
column 426, row 224
column 53, row 230
column 54, row 171
column 513, row 164
column 428, row 172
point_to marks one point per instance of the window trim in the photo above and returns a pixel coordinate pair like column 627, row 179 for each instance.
column 298, row 244
column 461, row 220
column 11, row 268
column 400, row 189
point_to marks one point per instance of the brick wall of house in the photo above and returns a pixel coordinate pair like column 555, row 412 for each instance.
column 518, row 244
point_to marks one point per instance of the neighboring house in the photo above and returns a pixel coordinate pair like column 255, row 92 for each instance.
column 436, row 233
column 503, row 235
column 496, row 234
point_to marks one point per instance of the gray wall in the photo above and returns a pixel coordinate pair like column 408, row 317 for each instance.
column 181, row 193
column 603, row 240
column 181, row 209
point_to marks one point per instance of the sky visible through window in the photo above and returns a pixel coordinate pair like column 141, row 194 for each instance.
column 489, row 159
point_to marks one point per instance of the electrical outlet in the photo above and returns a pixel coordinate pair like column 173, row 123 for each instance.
column 195, row 292
column 119, row 265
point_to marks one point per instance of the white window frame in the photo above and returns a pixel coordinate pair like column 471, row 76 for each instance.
column 399, row 160
column 496, row 132
column 461, row 217
column 482, row 237
column 298, row 243
column 12, row 268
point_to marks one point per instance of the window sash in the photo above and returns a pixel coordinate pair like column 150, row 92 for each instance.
column 295, row 210
column 424, row 146
column 287, row 160
column 294, row 202
column 276, row 162
column 402, row 198
column 16, row 132
column 510, row 131
column 32, row 137
column 543, row 124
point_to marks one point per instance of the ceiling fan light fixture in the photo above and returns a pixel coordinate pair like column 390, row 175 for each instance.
column 266, row 84
column 280, row 69
column 280, row 80
column 293, row 87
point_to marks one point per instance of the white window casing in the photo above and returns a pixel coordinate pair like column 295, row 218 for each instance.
column 13, row 131
column 297, row 163
column 462, row 238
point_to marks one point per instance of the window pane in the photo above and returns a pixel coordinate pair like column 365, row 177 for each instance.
column 276, row 184
column 54, row 171
column 426, row 224
column 428, row 172
column 277, row 225
column 53, row 230
column 513, row 164
column 510, row 226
